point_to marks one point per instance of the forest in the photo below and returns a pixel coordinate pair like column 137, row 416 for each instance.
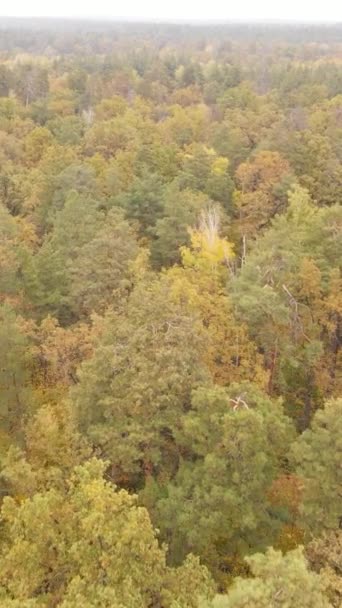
column 170, row 315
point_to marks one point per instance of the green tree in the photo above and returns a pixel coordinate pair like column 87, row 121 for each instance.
column 287, row 294
column 234, row 442
column 181, row 209
column 10, row 255
column 142, row 203
column 75, row 225
column 76, row 177
column 30, row 82
column 203, row 170
column 317, row 455
column 68, row 130
column 279, row 581
column 133, row 391
column 103, row 266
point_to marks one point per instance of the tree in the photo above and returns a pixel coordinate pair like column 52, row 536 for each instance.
column 186, row 125
column 75, row 225
column 51, row 448
column 109, row 108
column 315, row 161
column 57, row 353
column 287, row 293
column 103, row 266
column 233, row 443
column 93, row 546
column 142, row 202
column 317, row 456
column 10, row 256
column 264, row 183
column 200, row 285
column 279, row 581
column 181, row 209
column 30, row 82
column 76, row 177
column 133, row 391
column 324, row 555
column 107, row 137
column 16, row 365
column 5, row 81
column 36, row 144
column 204, row 170
column 68, row 130
column 42, row 181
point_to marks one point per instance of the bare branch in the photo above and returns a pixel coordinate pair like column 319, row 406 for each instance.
column 238, row 402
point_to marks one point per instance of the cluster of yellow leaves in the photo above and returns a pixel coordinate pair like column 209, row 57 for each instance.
column 200, row 285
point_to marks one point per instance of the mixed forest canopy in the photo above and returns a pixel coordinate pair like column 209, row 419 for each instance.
column 170, row 315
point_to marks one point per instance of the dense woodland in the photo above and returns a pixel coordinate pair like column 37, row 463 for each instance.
column 170, row 316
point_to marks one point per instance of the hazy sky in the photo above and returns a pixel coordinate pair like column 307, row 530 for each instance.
column 307, row 10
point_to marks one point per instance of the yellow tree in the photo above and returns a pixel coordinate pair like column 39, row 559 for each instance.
column 88, row 544
column 200, row 285
column 263, row 185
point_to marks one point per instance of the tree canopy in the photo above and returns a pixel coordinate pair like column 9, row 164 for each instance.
column 170, row 315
